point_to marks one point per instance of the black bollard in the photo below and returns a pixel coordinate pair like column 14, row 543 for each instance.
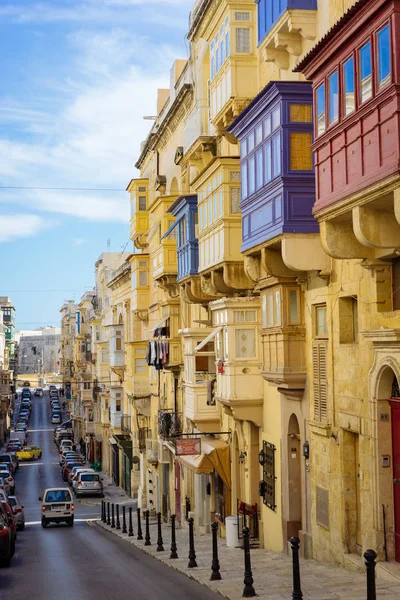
column 174, row 553
column 139, row 526
column 147, row 540
column 192, row 554
column 130, row 534
column 124, row 529
column 370, row 558
column 118, row 521
column 108, row 514
column 160, row 547
column 297, row 593
column 112, row 516
column 102, row 511
column 248, row 591
column 215, row 575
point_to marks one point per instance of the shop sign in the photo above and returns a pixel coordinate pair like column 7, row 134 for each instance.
column 188, row 447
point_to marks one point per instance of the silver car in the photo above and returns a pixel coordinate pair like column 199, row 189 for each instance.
column 6, row 474
column 4, row 485
column 89, row 484
column 18, row 511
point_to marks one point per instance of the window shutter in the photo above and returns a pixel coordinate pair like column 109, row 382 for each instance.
column 320, row 381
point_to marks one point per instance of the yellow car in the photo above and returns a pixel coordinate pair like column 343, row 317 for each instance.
column 25, row 454
column 37, row 452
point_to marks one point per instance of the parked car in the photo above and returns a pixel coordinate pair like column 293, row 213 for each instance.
column 69, row 465
column 10, row 459
column 74, row 472
column 89, row 484
column 69, row 457
column 57, row 506
column 7, row 541
column 18, row 511
column 67, row 424
column 4, row 485
column 64, row 444
column 39, row 392
column 55, row 418
column 5, row 473
column 26, row 393
column 25, row 454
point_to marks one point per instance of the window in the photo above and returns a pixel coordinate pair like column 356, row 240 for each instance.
column 333, row 82
column 86, row 385
column 276, row 118
column 348, row 320
column 384, row 56
column 244, row 180
column 104, row 357
column 250, row 142
column 118, row 401
column 242, row 16
column 252, row 176
column 245, row 343
column 235, row 201
column 241, row 316
column 268, row 162
column 140, row 366
column 142, row 202
column 276, row 143
column 242, row 39
column 118, row 340
column 220, row 194
column 141, row 189
column 243, row 148
column 259, row 135
column 143, row 278
column 271, row 308
column 348, row 85
column 321, row 109
column 182, row 231
column 259, row 165
column 300, row 151
column 219, row 49
column 300, row 113
column 321, row 324
column 320, row 381
column 365, row 72
column 294, row 307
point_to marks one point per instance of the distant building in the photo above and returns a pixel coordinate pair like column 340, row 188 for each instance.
column 40, row 353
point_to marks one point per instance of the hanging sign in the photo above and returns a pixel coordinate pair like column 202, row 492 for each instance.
column 187, row 447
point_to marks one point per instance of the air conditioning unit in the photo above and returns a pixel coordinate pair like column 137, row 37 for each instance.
column 163, row 453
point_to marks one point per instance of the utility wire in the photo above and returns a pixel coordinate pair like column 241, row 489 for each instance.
column 18, row 187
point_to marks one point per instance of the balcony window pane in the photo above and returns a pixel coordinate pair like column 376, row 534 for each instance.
column 242, row 39
column 260, row 177
column 227, row 44
column 210, row 215
column 293, row 307
column 252, row 175
column 235, row 201
column 200, row 219
column 276, row 118
column 366, row 72
column 300, row 113
column 245, row 343
column 333, row 97
column 278, row 208
column 217, row 60
column 348, row 81
column 277, row 307
column 277, row 155
column 205, row 214
column 143, row 278
column 244, row 180
column 300, row 151
column 267, row 126
column 243, row 148
column 140, row 366
column 212, row 67
column 220, row 203
column 270, row 310
column 384, row 56
column 142, row 202
column 259, row 135
column 222, row 52
column 264, row 310
column 250, row 142
column 215, row 207
column 320, row 109
column 268, row 162
column 321, row 321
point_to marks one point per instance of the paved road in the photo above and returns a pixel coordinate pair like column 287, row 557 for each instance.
column 82, row 563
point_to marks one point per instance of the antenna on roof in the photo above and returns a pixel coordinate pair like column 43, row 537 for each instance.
column 108, row 244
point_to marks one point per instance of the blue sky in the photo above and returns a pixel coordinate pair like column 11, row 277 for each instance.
column 76, row 81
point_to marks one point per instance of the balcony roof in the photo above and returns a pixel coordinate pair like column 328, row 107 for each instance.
column 182, row 201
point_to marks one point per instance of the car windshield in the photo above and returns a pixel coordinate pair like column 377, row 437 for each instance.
column 58, row 496
column 12, row 501
column 90, row 477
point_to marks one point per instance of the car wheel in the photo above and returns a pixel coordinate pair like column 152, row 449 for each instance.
column 12, row 549
column 12, row 491
column 44, row 523
column 70, row 522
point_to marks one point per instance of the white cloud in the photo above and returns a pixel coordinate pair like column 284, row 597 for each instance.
column 13, row 227
column 91, row 140
column 78, row 241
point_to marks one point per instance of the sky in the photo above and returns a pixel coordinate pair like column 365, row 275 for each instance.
column 77, row 77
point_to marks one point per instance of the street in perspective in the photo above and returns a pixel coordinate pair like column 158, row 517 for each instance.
column 200, row 299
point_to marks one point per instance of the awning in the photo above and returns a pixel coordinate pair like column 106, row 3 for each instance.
column 170, row 230
column 207, row 339
column 158, row 325
column 215, row 455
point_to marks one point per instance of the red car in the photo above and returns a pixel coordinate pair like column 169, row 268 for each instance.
column 7, row 540
column 68, row 468
column 11, row 518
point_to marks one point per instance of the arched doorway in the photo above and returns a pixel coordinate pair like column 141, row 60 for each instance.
column 294, row 474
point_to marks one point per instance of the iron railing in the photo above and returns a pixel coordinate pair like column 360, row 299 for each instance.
column 126, row 423
column 169, row 424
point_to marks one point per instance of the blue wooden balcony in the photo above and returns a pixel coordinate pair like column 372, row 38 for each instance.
column 269, row 11
column 184, row 210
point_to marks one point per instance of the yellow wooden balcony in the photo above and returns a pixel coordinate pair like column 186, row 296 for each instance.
column 164, row 260
column 139, row 223
column 140, row 283
column 200, row 408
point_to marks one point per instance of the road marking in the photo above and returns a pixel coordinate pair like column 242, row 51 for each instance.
column 36, row 464
column 75, row 519
column 39, row 430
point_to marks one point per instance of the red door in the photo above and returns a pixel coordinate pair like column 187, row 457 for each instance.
column 396, row 474
column 178, row 491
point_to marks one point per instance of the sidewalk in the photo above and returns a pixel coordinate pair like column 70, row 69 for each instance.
column 272, row 572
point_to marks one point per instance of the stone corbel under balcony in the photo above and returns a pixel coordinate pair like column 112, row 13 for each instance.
column 374, row 228
column 141, row 241
column 193, row 292
column 161, row 184
column 227, row 115
column 202, row 152
column 142, row 315
column 168, row 284
column 229, row 279
column 304, row 252
column 286, row 37
column 291, row 385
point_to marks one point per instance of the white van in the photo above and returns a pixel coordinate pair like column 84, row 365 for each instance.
column 57, row 506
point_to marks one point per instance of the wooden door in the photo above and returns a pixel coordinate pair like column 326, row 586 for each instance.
column 396, row 475
column 358, row 489
column 178, row 504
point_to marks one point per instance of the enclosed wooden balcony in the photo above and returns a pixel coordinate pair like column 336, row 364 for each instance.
column 139, row 223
